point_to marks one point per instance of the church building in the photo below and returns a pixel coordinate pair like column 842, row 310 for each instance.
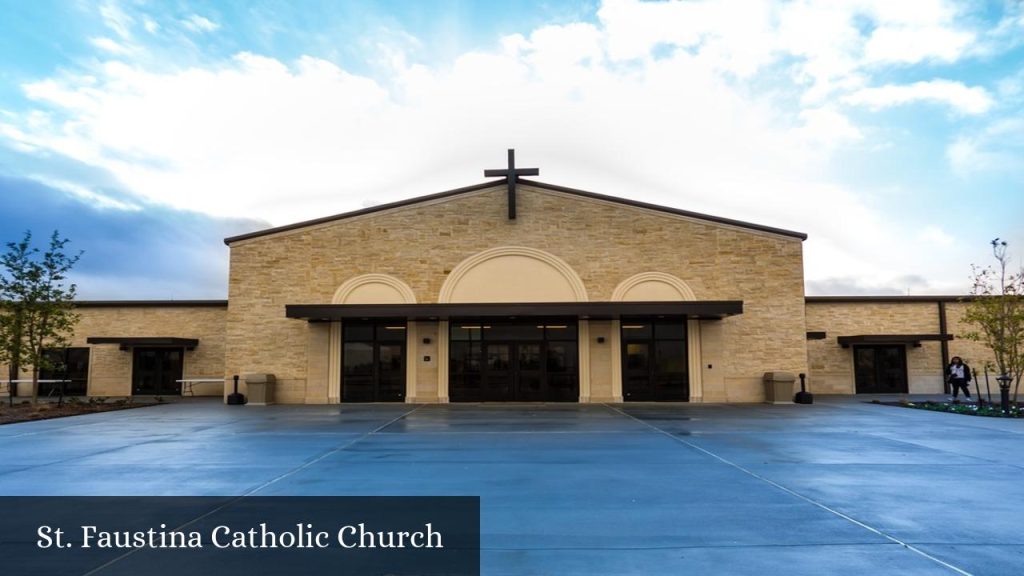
column 515, row 290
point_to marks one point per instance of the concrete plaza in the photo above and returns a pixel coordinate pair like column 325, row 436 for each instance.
column 840, row 487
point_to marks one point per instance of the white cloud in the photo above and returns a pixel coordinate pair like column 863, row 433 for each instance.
column 657, row 101
column 151, row 26
column 963, row 99
column 115, row 18
column 197, row 23
column 108, row 45
column 998, row 147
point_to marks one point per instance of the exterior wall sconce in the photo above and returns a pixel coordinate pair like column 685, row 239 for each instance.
column 600, row 339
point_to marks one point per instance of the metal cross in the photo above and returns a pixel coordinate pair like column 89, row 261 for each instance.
column 512, row 174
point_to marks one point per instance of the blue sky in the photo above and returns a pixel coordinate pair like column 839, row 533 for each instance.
column 891, row 132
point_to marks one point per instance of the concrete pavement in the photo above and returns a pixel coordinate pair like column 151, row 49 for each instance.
column 839, row 487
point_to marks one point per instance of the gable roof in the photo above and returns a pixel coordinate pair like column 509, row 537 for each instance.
column 535, row 184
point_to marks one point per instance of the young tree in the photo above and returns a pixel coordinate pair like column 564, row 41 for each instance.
column 997, row 311
column 38, row 305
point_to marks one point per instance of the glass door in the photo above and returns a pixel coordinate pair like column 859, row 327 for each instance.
column 156, row 371
column 373, row 362
column 880, row 369
column 654, row 360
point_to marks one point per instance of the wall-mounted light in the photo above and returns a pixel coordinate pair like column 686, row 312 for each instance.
column 426, row 340
column 600, row 339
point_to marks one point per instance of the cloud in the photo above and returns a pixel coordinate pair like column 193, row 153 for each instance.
column 154, row 252
column 963, row 99
column 108, row 45
column 998, row 147
column 678, row 103
column 197, row 23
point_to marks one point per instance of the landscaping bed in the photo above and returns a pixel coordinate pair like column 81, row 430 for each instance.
column 967, row 408
column 23, row 411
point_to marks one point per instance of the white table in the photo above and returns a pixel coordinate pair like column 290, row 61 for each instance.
column 187, row 383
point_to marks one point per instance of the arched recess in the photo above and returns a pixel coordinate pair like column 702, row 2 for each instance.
column 514, row 274
column 657, row 287
column 372, row 289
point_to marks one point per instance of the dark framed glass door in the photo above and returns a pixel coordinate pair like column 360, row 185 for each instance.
column 880, row 369
column 373, row 361
column 155, row 371
column 655, row 367
column 533, row 361
column 67, row 364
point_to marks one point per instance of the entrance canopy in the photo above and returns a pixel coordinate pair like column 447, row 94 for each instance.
column 145, row 341
column 912, row 339
column 705, row 310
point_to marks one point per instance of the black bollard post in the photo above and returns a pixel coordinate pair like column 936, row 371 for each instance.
column 803, row 396
column 236, row 399
column 1004, row 392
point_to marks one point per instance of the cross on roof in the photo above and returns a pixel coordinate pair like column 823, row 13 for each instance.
column 512, row 174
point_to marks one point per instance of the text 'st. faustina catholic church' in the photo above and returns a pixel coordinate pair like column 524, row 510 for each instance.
column 516, row 291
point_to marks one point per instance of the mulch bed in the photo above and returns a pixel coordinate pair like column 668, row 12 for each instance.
column 965, row 408
column 45, row 410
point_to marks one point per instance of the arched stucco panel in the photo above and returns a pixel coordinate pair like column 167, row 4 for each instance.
column 513, row 274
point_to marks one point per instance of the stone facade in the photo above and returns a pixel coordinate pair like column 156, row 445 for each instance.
column 603, row 242
column 110, row 368
column 831, row 369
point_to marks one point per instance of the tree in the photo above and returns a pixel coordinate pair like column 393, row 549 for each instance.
column 997, row 311
column 38, row 306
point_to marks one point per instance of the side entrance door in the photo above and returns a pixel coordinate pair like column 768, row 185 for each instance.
column 654, row 361
column 373, row 362
column 155, row 371
column 880, row 369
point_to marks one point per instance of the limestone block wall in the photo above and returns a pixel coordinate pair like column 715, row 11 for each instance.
column 110, row 368
column 831, row 366
column 603, row 242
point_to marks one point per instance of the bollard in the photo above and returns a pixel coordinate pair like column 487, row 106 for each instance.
column 236, row 399
column 803, row 396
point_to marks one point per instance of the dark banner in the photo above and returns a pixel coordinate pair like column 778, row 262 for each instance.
column 227, row 536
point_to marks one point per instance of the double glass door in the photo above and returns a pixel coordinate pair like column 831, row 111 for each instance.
column 655, row 367
column 880, row 369
column 156, row 371
column 513, row 362
column 373, row 362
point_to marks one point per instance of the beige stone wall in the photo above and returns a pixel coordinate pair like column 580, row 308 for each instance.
column 603, row 242
column 831, row 365
column 110, row 368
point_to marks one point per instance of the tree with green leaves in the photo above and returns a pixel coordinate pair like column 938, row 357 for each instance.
column 996, row 310
column 36, row 305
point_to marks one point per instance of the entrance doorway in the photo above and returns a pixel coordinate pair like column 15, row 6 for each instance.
column 155, row 371
column 880, row 369
column 533, row 361
column 373, row 362
column 654, row 360
column 70, row 364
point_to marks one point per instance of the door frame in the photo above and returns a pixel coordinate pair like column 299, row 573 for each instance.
column 180, row 370
column 652, row 345
column 902, row 348
column 375, row 344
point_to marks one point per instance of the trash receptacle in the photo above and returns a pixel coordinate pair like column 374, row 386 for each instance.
column 778, row 387
column 260, row 389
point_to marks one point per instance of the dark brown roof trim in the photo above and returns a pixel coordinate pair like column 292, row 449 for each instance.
column 156, row 341
column 151, row 303
column 485, row 185
column 914, row 339
column 893, row 299
column 707, row 309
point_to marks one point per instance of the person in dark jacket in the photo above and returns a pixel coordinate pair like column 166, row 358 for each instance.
column 959, row 376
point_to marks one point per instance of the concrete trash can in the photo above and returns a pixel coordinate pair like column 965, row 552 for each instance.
column 261, row 389
column 778, row 387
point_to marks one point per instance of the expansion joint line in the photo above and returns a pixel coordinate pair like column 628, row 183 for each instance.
column 795, row 494
column 270, row 482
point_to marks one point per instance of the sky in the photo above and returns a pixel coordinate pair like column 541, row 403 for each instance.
column 892, row 133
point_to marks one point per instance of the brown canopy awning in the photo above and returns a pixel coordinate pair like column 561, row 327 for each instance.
column 148, row 341
column 912, row 339
column 705, row 310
